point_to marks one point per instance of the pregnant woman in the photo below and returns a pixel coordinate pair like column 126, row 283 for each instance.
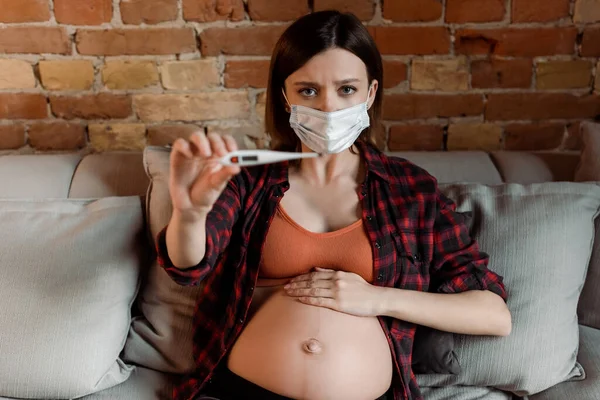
column 315, row 273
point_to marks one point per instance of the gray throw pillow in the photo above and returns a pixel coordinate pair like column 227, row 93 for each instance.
column 539, row 238
column 70, row 273
column 587, row 171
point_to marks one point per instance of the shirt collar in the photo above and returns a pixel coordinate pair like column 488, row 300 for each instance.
column 374, row 159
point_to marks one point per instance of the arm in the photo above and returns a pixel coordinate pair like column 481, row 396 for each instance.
column 475, row 312
column 470, row 298
column 189, row 246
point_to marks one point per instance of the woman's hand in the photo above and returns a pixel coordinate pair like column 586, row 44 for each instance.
column 338, row 290
column 196, row 179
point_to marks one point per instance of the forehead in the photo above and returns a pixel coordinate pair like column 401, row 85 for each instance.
column 329, row 66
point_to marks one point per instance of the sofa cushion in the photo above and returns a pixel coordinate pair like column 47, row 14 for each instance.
column 161, row 338
column 143, row 384
column 539, row 238
column 464, row 393
column 455, row 166
column 589, row 357
column 70, row 272
column 535, row 167
column 109, row 174
column 37, row 176
column 589, row 170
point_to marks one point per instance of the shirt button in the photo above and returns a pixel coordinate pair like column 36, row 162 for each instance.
column 369, row 218
column 363, row 193
column 380, row 276
column 241, row 320
column 377, row 244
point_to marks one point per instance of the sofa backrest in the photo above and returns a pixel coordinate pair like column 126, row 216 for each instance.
column 122, row 173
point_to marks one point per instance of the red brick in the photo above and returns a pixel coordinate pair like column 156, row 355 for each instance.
column 255, row 40
column 148, row 11
column 401, row 40
column 539, row 10
column 416, row 106
column 162, row 135
column 101, row 106
column 252, row 73
column 394, row 73
column 496, row 73
column 12, row 136
column 540, row 106
column 363, row 9
column 416, row 138
column 23, row 106
column 34, row 40
column 200, row 106
column 15, row 11
column 116, row 42
column 461, row 11
column 590, row 44
column 412, row 10
column 268, row 10
column 56, row 136
column 213, row 10
column 586, row 12
column 528, row 42
column 530, row 137
column 77, row 12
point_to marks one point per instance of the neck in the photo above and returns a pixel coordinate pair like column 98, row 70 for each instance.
column 329, row 167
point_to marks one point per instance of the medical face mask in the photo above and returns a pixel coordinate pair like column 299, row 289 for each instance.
column 329, row 132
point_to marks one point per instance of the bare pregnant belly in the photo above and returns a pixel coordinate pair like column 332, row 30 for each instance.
column 308, row 352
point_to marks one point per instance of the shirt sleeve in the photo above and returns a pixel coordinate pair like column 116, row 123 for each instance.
column 219, row 224
column 458, row 265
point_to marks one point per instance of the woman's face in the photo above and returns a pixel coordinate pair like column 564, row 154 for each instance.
column 330, row 81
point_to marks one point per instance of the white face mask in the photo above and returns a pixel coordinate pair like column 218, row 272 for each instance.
column 329, row 132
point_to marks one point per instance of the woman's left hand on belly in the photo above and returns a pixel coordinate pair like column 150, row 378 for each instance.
column 342, row 291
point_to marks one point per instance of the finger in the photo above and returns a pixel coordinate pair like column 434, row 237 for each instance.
column 225, row 174
column 230, row 143
column 217, row 144
column 181, row 146
column 315, row 275
column 320, row 302
column 312, row 292
column 326, row 284
column 199, row 140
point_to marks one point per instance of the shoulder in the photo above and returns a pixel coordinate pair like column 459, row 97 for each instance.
column 402, row 173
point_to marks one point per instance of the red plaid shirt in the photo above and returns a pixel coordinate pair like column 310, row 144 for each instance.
column 419, row 243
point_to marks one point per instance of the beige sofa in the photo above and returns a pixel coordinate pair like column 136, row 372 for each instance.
column 122, row 174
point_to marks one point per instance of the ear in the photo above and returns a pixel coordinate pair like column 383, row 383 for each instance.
column 284, row 101
column 373, row 92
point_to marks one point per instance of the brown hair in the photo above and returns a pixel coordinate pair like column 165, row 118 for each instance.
column 305, row 38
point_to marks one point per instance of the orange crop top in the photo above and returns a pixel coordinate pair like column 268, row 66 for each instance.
column 290, row 250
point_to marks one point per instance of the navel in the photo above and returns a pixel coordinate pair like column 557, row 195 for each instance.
column 312, row 346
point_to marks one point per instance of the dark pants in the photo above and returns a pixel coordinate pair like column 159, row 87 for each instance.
column 226, row 385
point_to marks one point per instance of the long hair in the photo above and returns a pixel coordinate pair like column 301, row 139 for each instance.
column 305, row 38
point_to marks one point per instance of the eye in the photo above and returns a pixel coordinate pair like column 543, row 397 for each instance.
column 308, row 92
column 348, row 90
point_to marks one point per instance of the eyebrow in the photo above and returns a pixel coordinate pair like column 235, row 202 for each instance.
column 342, row 82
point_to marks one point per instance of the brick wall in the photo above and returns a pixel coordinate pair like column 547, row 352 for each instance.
column 105, row 75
